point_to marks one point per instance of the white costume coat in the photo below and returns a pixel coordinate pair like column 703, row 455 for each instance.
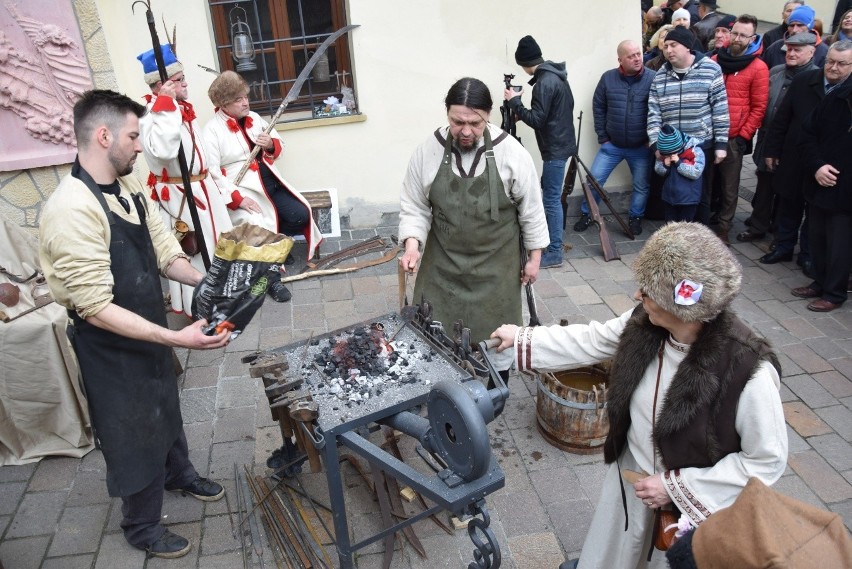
column 227, row 151
column 162, row 129
column 697, row 491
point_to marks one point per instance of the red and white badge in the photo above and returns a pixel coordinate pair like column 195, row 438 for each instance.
column 687, row 292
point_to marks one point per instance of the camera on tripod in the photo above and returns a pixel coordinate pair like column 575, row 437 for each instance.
column 507, row 79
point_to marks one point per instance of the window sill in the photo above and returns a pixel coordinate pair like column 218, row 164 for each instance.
column 311, row 123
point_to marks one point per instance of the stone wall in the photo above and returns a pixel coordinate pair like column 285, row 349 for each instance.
column 23, row 192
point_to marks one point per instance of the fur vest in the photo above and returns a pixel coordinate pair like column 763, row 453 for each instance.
column 695, row 427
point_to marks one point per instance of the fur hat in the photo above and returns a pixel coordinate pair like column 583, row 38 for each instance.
column 726, row 22
column 682, row 36
column 681, row 13
column 802, row 15
column 227, row 88
column 764, row 528
column 528, row 53
column 670, row 140
column 149, row 64
column 687, row 251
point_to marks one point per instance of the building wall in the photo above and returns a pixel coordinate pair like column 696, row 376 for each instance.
column 23, row 192
column 405, row 55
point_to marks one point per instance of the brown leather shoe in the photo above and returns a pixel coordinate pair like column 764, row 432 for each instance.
column 822, row 305
column 805, row 292
column 747, row 236
column 723, row 235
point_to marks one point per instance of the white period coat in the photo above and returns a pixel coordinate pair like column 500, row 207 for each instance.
column 697, row 491
column 227, row 150
column 162, row 129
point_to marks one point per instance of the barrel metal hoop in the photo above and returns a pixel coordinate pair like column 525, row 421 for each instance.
column 561, row 401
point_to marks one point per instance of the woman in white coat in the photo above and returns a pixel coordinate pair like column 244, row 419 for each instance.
column 230, row 136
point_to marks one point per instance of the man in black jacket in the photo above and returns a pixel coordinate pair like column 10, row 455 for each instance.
column 551, row 116
column 783, row 156
column 779, row 31
column 827, row 164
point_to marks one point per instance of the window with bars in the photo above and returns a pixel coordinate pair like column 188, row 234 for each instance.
column 285, row 34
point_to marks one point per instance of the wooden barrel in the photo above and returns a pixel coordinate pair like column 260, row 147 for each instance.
column 571, row 409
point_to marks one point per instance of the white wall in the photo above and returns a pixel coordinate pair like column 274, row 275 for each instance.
column 406, row 54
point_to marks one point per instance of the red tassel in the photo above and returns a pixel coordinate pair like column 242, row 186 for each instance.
column 152, row 180
column 249, row 122
column 232, row 125
column 164, row 176
column 154, row 195
column 165, row 193
column 224, row 172
column 253, row 166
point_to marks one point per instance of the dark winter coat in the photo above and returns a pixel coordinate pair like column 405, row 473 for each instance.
column 827, row 139
column 780, row 78
column 552, row 111
column 696, row 424
column 620, row 107
column 804, row 94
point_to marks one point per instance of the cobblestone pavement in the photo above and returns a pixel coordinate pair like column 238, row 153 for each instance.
column 56, row 513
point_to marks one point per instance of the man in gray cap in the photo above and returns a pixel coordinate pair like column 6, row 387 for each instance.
column 551, row 116
column 799, row 58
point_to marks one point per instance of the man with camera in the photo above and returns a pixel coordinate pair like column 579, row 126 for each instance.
column 551, row 116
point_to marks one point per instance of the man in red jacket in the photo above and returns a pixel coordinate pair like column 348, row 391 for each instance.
column 747, row 85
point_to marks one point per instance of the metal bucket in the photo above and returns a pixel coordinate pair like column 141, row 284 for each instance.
column 571, row 409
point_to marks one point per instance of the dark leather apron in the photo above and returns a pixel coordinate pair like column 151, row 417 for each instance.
column 130, row 384
column 471, row 268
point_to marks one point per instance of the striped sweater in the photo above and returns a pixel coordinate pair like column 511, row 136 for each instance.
column 697, row 105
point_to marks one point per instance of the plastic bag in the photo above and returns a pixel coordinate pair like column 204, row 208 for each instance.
column 246, row 261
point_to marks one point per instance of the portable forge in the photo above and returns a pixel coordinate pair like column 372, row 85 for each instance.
column 405, row 373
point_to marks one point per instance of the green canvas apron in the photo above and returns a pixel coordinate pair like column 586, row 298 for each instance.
column 471, row 269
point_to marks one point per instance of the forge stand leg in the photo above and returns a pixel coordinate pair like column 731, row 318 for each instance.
column 487, row 553
column 338, row 503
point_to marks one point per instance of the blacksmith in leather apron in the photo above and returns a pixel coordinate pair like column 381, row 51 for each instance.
column 131, row 385
column 471, row 268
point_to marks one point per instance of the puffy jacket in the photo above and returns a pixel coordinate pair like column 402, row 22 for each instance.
column 748, row 93
column 551, row 112
column 620, row 106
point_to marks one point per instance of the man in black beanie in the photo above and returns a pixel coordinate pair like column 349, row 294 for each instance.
column 551, row 116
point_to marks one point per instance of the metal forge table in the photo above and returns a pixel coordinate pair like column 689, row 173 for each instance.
column 428, row 371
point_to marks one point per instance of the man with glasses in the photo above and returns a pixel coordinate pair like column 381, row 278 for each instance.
column 783, row 155
column 825, row 150
column 799, row 58
column 170, row 121
column 747, row 85
column 800, row 20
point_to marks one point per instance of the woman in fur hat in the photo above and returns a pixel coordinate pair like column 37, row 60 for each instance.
column 693, row 399
column 230, row 136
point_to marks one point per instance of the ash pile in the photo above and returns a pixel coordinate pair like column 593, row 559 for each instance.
column 359, row 370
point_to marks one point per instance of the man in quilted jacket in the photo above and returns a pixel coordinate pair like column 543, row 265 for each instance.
column 746, row 80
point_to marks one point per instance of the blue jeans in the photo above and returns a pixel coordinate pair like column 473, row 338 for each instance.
column 639, row 161
column 552, row 176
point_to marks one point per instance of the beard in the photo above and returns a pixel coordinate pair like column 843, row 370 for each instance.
column 736, row 49
column 122, row 166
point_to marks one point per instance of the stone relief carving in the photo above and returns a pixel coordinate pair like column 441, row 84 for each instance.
column 41, row 84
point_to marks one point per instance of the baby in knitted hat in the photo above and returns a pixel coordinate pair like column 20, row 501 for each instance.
column 681, row 164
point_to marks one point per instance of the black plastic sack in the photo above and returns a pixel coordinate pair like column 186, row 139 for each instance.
column 246, row 261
